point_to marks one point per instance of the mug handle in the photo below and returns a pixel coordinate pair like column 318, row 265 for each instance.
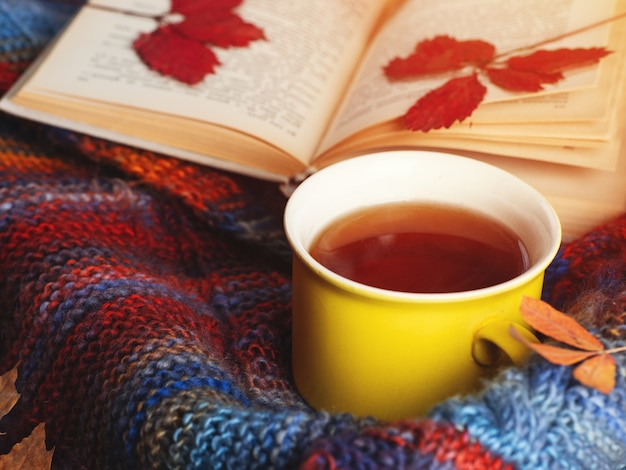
column 493, row 339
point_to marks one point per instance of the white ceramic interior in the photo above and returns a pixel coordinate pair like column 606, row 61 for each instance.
column 409, row 175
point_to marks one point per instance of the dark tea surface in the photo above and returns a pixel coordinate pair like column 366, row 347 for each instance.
column 421, row 248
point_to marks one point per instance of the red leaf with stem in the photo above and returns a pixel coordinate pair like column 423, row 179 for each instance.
column 522, row 73
column 557, row 61
column 440, row 54
column 180, row 50
column 455, row 100
column 520, row 80
column 551, row 322
column 173, row 55
column 186, row 7
column 221, row 28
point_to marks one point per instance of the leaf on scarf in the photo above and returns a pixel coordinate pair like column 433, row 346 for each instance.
column 597, row 372
column 554, row 354
column 440, row 54
column 597, row 366
column 557, row 325
column 557, row 61
column 173, row 55
column 520, row 80
column 30, row 453
column 455, row 100
column 220, row 28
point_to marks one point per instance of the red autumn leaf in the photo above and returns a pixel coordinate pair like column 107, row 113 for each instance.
column 520, row 80
column 559, row 326
column 187, row 7
column 182, row 50
column 556, row 61
column 173, row 55
column 554, row 354
column 597, row 372
column 455, row 100
column 440, row 54
column 221, row 28
column 527, row 73
column 476, row 51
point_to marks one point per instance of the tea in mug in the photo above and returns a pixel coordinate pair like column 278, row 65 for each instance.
column 421, row 248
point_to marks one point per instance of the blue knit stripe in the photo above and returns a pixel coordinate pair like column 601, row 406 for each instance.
column 24, row 25
column 205, row 435
column 541, row 418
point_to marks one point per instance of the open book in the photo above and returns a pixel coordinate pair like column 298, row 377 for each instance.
column 314, row 92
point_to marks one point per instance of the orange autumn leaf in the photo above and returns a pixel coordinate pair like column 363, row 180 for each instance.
column 559, row 326
column 597, row 366
column 597, row 372
column 554, row 354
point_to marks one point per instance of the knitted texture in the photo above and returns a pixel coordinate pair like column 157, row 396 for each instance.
column 145, row 302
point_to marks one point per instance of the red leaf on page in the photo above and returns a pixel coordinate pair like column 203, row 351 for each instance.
column 597, row 372
column 476, row 51
column 182, row 49
column 455, row 100
column 557, row 61
column 520, row 73
column 520, row 80
column 222, row 29
column 440, row 54
column 187, row 7
column 173, row 55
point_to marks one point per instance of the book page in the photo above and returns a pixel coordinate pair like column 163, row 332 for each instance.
column 507, row 25
column 582, row 197
column 141, row 7
column 281, row 90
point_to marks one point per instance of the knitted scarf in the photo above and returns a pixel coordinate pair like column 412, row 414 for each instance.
column 145, row 302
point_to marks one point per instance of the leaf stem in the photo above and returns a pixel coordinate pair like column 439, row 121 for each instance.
column 562, row 36
column 157, row 18
column 614, row 350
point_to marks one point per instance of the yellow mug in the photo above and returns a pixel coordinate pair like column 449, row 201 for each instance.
column 370, row 351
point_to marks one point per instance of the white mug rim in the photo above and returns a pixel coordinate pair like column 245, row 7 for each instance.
column 537, row 268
